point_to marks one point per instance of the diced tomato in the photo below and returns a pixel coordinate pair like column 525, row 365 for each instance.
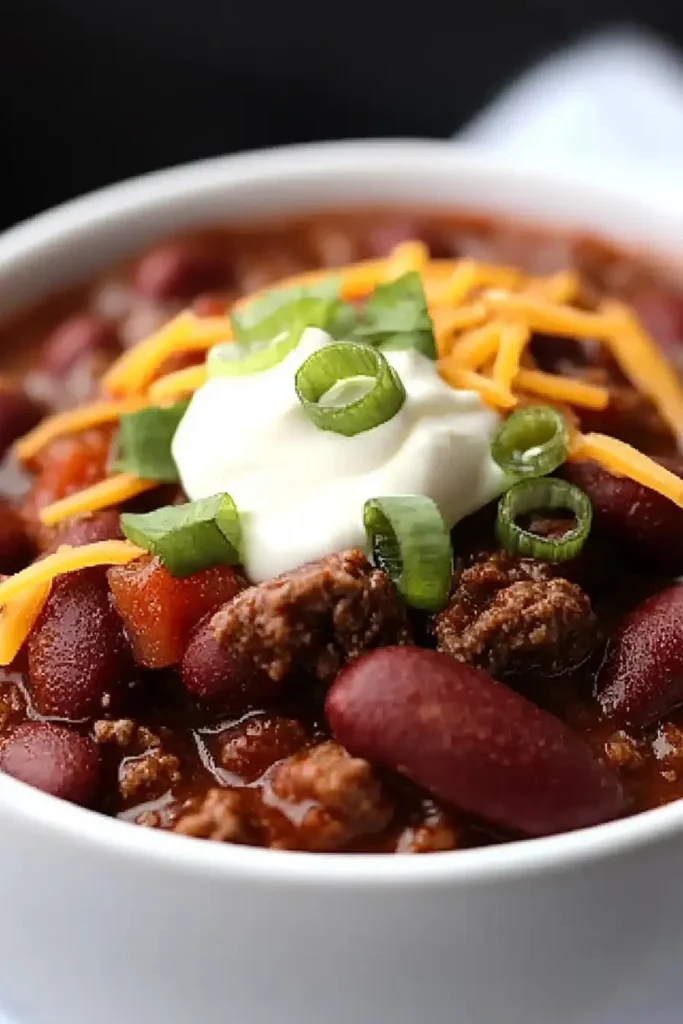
column 160, row 611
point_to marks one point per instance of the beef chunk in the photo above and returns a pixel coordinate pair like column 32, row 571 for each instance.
column 329, row 798
column 510, row 615
column 315, row 618
column 220, row 816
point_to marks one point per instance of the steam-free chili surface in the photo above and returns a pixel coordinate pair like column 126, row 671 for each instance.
column 272, row 775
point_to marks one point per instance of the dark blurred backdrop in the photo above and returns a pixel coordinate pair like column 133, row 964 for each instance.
column 92, row 91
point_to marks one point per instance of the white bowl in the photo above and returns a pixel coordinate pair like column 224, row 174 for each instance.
column 102, row 922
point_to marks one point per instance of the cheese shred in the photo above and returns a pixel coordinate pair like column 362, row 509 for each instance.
column 19, row 617
column 67, row 559
column 114, row 490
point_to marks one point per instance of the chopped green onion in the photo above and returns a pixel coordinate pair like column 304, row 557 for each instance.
column 271, row 327
column 142, row 445
column 411, row 543
column 532, row 442
column 396, row 317
column 322, row 378
column 236, row 358
column 290, row 310
column 191, row 537
column 273, row 312
column 537, row 496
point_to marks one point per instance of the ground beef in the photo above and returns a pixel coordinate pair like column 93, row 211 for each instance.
column 249, row 748
column 329, row 800
column 315, row 618
column 148, row 775
column 434, row 830
column 148, row 770
column 220, row 816
column 623, row 751
column 510, row 615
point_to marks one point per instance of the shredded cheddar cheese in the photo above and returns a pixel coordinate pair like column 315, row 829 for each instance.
column 513, row 340
column 112, row 491
column 133, row 372
column 475, row 348
column 73, row 421
column 19, row 617
column 623, row 460
column 67, row 559
column 178, row 384
column 562, row 389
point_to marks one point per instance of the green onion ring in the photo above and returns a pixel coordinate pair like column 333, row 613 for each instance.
column 410, row 541
column 348, row 361
column 536, row 496
column 532, row 442
column 237, row 358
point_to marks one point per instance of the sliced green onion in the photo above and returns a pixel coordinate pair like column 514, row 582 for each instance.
column 271, row 327
column 396, row 317
column 320, row 382
column 410, row 541
column 236, row 358
column 142, row 445
column 191, row 537
column 537, row 496
column 273, row 312
column 532, row 442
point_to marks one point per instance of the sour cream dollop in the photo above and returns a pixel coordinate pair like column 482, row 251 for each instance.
column 300, row 490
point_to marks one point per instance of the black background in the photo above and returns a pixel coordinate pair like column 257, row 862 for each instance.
column 92, row 91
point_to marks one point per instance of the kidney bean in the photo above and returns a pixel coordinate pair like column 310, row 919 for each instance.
column 470, row 741
column 18, row 414
column 644, row 522
column 78, row 656
column 16, row 549
column 642, row 677
column 252, row 746
column 88, row 529
column 177, row 271
column 53, row 758
column 79, row 336
column 214, row 675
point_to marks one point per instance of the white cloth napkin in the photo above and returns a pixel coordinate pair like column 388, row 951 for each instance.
column 613, row 103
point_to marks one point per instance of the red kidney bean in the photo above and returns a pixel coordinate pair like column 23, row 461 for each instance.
column 89, row 529
column 253, row 745
column 78, row 656
column 213, row 675
column 177, row 271
column 79, row 336
column 642, row 677
column 470, row 741
column 16, row 549
column 53, row 758
column 646, row 523
column 18, row 414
